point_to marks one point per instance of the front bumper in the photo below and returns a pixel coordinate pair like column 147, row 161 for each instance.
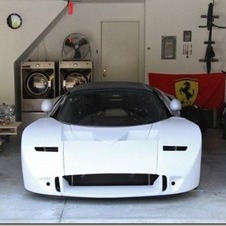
column 141, row 185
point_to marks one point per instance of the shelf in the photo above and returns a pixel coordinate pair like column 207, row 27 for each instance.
column 9, row 129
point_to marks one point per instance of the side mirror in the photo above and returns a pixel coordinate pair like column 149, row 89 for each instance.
column 47, row 106
column 175, row 105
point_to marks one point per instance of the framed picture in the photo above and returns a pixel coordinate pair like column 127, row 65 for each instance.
column 169, row 47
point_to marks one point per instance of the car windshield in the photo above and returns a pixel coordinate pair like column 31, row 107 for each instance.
column 111, row 108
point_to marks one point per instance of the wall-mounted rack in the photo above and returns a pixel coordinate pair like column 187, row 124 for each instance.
column 210, row 54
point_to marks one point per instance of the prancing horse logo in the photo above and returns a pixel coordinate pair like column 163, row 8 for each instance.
column 186, row 91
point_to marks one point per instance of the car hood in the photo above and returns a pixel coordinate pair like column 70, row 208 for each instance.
column 109, row 150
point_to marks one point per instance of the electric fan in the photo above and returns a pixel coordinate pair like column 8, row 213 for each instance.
column 75, row 46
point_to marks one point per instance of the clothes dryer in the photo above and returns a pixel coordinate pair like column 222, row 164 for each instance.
column 37, row 83
column 73, row 73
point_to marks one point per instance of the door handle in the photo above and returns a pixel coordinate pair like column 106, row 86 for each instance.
column 104, row 74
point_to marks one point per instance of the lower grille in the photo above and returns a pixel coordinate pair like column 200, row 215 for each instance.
column 110, row 179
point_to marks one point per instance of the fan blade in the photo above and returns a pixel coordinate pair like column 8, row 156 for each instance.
column 82, row 41
column 68, row 52
column 77, row 54
column 69, row 43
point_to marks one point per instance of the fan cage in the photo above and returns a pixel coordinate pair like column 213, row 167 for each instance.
column 74, row 50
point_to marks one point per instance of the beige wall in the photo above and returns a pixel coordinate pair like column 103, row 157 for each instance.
column 172, row 17
column 41, row 35
column 36, row 17
column 87, row 20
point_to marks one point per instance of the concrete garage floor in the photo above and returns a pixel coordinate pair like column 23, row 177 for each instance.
column 207, row 204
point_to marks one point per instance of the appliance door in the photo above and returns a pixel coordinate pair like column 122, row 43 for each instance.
column 37, row 85
column 73, row 79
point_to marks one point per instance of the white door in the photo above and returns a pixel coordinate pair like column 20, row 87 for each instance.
column 120, row 51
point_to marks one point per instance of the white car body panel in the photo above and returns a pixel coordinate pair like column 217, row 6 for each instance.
column 120, row 157
column 107, row 152
column 126, row 150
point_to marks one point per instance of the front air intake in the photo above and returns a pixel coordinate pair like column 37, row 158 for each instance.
column 111, row 179
column 57, row 184
column 46, row 149
column 174, row 148
column 164, row 183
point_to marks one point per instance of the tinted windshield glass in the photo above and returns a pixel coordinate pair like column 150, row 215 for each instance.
column 111, row 108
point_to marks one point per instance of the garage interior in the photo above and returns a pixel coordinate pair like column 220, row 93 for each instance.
column 161, row 43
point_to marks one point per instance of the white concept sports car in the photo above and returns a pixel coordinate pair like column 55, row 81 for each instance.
column 114, row 139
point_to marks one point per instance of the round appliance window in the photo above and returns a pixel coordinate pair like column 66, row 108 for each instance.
column 37, row 84
column 74, row 79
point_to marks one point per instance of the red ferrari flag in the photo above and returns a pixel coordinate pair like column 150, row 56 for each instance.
column 204, row 90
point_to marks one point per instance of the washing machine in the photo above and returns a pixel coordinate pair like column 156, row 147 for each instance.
column 73, row 73
column 37, row 83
